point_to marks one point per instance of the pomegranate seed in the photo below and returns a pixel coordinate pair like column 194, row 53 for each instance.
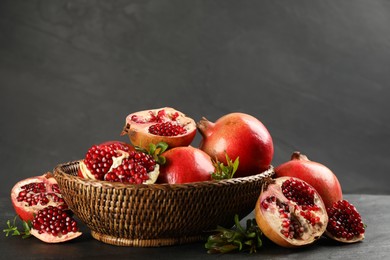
column 133, row 169
column 298, row 192
column 54, row 221
column 344, row 220
column 167, row 129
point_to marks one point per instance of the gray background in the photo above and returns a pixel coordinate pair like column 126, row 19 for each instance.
column 314, row 72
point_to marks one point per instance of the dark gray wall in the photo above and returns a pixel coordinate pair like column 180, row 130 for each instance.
column 315, row 72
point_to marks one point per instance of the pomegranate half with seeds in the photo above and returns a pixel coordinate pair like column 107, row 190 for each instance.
column 118, row 162
column 345, row 223
column 30, row 195
column 153, row 126
column 53, row 225
column 290, row 212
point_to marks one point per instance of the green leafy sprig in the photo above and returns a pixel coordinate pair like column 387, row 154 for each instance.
column 13, row 230
column 155, row 150
column 235, row 239
column 223, row 171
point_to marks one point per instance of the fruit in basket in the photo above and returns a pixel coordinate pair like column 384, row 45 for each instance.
column 238, row 135
column 153, row 126
column 185, row 164
column 30, row 195
column 118, row 162
column 316, row 174
column 53, row 225
column 100, row 158
column 345, row 223
column 290, row 212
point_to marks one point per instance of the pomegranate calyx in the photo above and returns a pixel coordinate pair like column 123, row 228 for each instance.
column 204, row 126
column 223, row 171
column 298, row 156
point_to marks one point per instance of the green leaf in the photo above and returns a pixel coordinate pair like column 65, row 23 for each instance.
column 152, row 149
column 162, row 146
column 235, row 239
column 155, row 150
column 13, row 229
column 223, row 171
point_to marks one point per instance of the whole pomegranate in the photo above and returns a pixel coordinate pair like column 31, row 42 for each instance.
column 345, row 223
column 290, row 212
column 316, row 174
column 30, row 195
column 119, row 162
column 153, row 126
column 185, row 164
column 238, row 135
column 53, row 225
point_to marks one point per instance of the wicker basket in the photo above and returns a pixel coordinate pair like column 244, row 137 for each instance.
column 156, row 214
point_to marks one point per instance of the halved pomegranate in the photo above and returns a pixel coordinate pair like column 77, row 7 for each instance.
column 153, row 126
column 345, row 223
column 118, row 162
column 30, row 195
column 290, row 212
column 53, row 225
column 185, row 164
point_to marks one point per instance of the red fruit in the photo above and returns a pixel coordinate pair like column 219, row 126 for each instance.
column 53, row 225
column 290, row 212
column 185, row 164
column 316, row 174
column 345, row 223
column 118, row 162
column 99, row 159
column 35, row 193
column 238, row 135
column 159, row 125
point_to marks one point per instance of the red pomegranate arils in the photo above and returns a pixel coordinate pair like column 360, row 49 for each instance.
column 345, row 222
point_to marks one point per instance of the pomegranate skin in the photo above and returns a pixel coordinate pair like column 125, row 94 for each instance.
column 185, row 164
column 316, row 174
column 238, row 135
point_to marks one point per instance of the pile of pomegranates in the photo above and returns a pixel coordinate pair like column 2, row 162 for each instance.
column 301, row 203
column 344, row 223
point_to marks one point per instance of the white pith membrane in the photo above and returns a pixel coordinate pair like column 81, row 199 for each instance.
column 170, row 115
column 117, row 161
column 272, row 214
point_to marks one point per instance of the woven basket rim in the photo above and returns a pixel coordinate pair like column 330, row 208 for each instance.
column 58, row 172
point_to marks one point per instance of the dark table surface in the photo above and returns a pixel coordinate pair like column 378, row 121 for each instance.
column 375, row 210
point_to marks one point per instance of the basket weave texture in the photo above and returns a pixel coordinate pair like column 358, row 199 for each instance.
column 156, row 214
